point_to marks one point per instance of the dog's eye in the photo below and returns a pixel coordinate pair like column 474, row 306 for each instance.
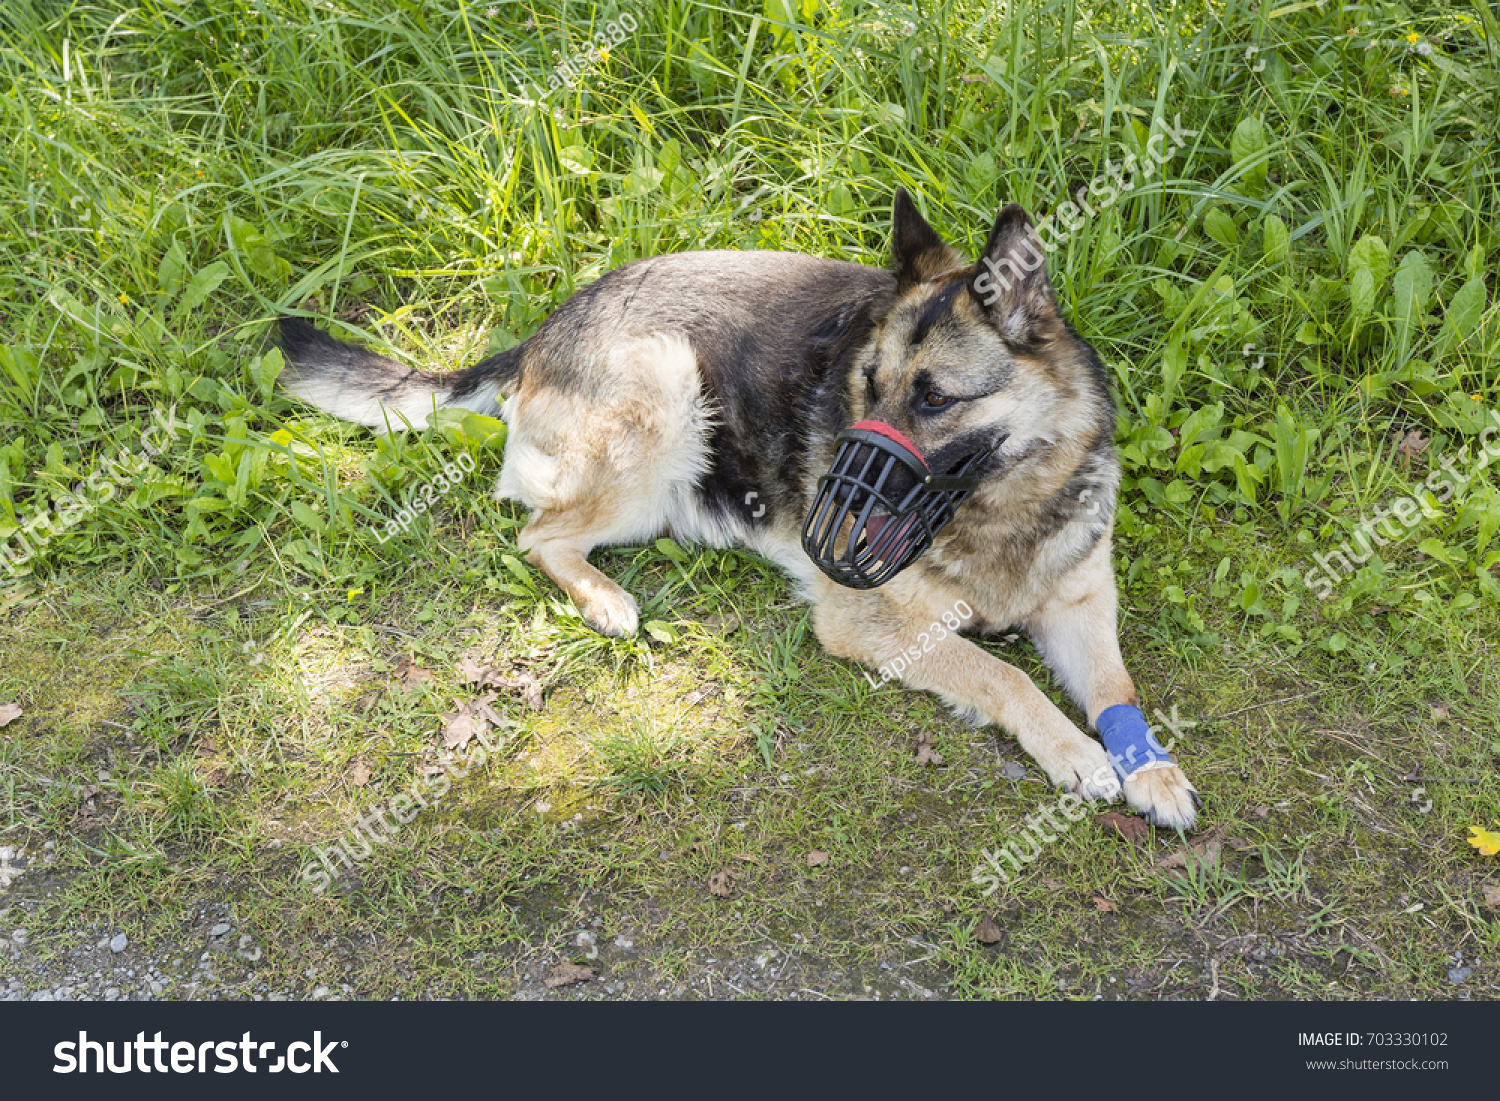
column 934, row 400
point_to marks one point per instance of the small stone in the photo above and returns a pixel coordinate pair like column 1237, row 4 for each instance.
column 1457, row 975
column 1013, row 770
column 220, row 929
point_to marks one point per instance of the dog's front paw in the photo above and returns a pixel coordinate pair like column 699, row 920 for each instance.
column 1083, row 768
column 1164, row 796
column 611, row 612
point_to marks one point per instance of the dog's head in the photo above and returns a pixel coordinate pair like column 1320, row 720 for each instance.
column 972, row 356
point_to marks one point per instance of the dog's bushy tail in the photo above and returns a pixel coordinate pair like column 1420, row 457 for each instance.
column 355, row 384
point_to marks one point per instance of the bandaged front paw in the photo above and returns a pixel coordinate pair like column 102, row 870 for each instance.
column 1129, row 742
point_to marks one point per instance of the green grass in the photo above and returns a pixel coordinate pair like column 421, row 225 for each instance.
column 219, row 643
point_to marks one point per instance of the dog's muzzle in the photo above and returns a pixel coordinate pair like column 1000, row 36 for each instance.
column 879, row 506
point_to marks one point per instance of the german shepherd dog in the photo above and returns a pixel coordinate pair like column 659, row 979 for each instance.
column 701, row 395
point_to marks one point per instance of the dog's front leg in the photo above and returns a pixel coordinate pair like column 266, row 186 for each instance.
column 1076, row 634
column 916, row 648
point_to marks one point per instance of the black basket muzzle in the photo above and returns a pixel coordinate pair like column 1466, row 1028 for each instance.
column 879, row 507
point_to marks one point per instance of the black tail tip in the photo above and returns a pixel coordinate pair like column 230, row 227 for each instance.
column 297, row 332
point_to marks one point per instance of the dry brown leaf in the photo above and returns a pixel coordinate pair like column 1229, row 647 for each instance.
column 747, row 858
column 815, row 858
column 530, row 688
column 206, row 748
column 359, row 774
column 926, row 755
column 218, row 777
column 1491, row 895
column 721, row 883
column 1204, row 850
column 1261, row 812
column 566, row 974
column 459, row 726
column 1410, row 445
column 410, row 674
column 1104, row 905
column 471, row 671
column 1241, row 844
column 1053, row 884
column 988, row 932
column 1441, row 713
column 1132, row 829
column 9, row 713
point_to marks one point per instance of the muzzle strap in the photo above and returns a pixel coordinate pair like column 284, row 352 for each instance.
column 1129, row 742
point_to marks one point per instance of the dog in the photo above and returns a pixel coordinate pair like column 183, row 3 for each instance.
column 702, row 396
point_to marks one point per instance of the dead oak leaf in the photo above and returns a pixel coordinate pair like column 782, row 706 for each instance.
column 9, row 713
column 459, row 726
column 359, row 774
column 1132, row 829
column 1442, row 713
column 721, row 883
column 1491, row 893
column 926, row 755
column 1410, row 445
column 1201, row 851
column 471, row 671
column 1104, row 905
column 988, row 932
column 816, row 858
column 411, row 675
column 566, row 974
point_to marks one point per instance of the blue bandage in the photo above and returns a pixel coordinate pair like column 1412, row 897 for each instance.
column 1128, row 741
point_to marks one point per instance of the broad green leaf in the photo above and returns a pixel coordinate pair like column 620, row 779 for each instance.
column 672, row 551
column 484, row 431
column 577, row 159
column 173, row 268
column 307, row 516
column 1436, row 548
column 267, row 371
column 1412, row 288
column 201, row 285
column 1220, row 226
column 1465, row 309
column 1369, row 263
column 1276, row 240
column 1247, row 144
column 982, row 172
column 660, row 631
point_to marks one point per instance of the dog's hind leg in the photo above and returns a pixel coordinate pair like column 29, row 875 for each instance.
column 608, row 458
column 1076, row 634
column 563, row 556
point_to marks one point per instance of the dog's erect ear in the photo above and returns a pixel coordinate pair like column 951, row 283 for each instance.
column 917, row 252
column 1010, row 282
